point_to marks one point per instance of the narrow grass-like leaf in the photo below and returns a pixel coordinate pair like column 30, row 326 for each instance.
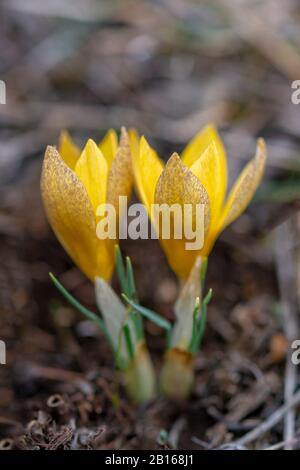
column 150, row 314
column 194, row 340
column 203, row 318
column 121, row 269
column 74, row 302
column 207, row 298
column 127, row 282
column 138, row 323
column 201, row 326
column 203, row 271
column 131, row 292
column 169, row 338
column 128, row 341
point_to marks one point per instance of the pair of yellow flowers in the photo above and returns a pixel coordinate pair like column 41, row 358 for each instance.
column 75, row 183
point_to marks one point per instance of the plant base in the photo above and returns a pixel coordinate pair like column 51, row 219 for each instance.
column 177, row 376
column 140, row 379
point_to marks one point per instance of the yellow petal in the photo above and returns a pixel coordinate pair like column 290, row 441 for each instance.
column 91, row 169
column 147, row 168
column 69, row 211
column 68, row 150
column 178, row 185
column 245, row 186
column 134, row 143
column 108, row 146
column 120, row 175
column 119, row 184
column 199, row 144
column 210, row 168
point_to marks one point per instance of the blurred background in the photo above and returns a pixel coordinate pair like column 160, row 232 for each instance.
column 167, row 68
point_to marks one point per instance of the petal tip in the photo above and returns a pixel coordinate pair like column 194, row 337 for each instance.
column 261, row 145
column 52, row 152
column 64, row 134
column 91, row 143
column 143, row 141
column 124, row 138
column 261, row 154
column 123, row 130
column 174, row 160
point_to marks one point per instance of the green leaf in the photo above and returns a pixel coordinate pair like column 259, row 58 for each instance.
column 208, row 297
column 120, row 269
column 128, row 341
column 132, row 294
column 137, row 319
column 202, row 320
column 162, row 437
column 138, row 323
column 203, row 271
column 85, row 311
column 194, row 340
column 88, row 313
column 127, row 283
column 131, row 290
column 201, row 325
column 146, row 312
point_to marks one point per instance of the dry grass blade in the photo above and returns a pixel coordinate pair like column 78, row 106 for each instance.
column 285, row 243
column 269, row 423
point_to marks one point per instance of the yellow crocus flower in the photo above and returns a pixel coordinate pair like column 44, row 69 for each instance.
column 200, row 176
column 74, row 184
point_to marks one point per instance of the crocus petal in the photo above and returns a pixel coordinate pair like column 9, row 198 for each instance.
column 245, row 187
column 134, row 143
column 91, row 169
column 197, row 146
column 210, row 168
column 119, row 181
column 178, row 185
column 68, row 150
column 69, row 211
column 206, row 158
column 147, row 169
column 108, row 146
column 120, row 175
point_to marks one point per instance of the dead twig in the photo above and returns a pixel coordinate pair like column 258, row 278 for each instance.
column 286, row 273
column 60, row 375
column 283, row 444
column 269, row 423
column 174, row 434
